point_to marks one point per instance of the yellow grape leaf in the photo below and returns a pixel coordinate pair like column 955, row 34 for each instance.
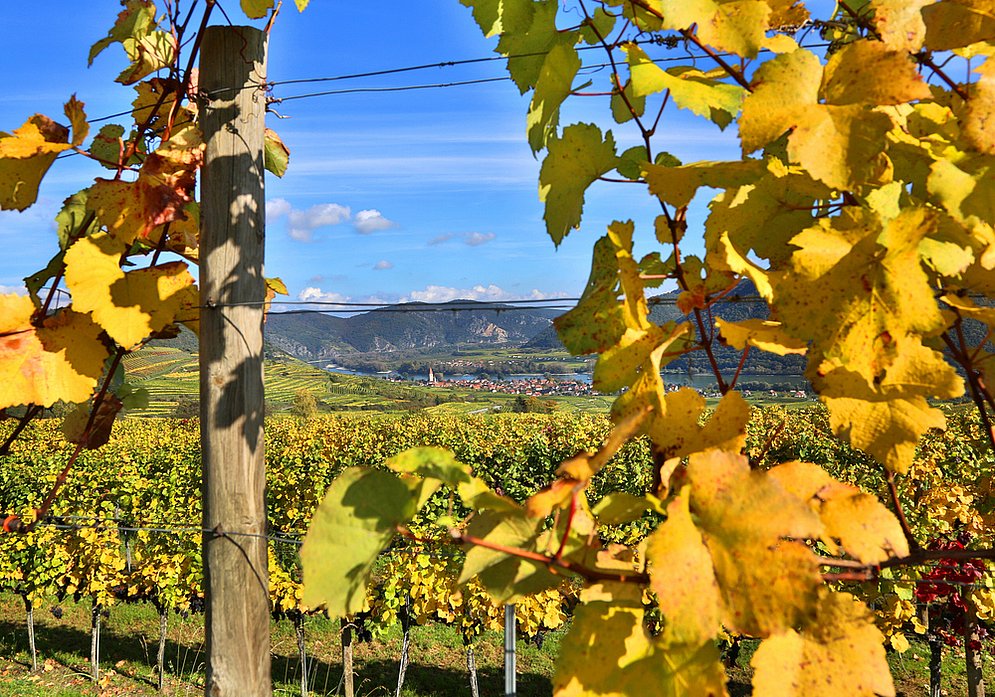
column 156, row 100
column 619, row 365
column 255, row 9
column 765, row 215
column 968, row 308
column 980, row 124
column 765, row 335
column 857, row 291
column 25, row 156
column 738, row 26
column 678, row 185
column 183, row 234
column 501, row 16
column 958, row 23
column 787, row 12
column 871, row 73
column 690, row 89
column 682, row 577
column 839, row 145
column 129, row 306
column 77, row 120
column 61, row 360
column 148, row 50
column 966, row 191
column 554, row 85
column 840, row 653
column 132, row 210
column 677, row 432
column 783, row 89
column 888, row 426
column 867, row 530
column 573, row 162
column 899, row 23
column 747, row 518
column 607, row 653
column 646, row 394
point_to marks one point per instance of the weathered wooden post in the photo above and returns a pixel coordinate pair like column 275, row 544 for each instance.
column 232, row 75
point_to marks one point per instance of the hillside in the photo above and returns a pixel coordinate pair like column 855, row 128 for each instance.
column 413, row 327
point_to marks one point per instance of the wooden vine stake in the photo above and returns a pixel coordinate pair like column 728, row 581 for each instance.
column 232, row 288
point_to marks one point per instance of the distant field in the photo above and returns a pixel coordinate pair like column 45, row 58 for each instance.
column 170, row 376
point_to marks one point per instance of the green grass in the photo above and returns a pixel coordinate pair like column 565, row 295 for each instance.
column 129, row 641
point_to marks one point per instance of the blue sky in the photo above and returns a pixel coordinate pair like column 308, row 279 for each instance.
column 422, row 195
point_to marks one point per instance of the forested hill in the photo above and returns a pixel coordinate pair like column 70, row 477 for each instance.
column 413, row 326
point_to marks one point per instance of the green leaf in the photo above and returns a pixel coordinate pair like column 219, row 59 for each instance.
column 632, row 162
column 431, row 463
column 71, row 218
column 501, row 16
column 596, row 323
column 136, row 19
column 503, row 575
column 620, row 105
column 553, row 87
column 107, row 145
column 600, row 25
column 573, row 162
column 528, row 33
column 276, row 154
column 36, row 281
column 356, row 522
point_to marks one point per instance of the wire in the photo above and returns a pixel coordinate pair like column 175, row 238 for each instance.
column 428, row 66
column 373, row 90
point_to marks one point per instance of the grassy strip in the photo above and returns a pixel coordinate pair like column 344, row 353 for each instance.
column 129, row 641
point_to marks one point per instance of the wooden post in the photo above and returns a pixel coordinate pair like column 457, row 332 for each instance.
column 232, row 289
column 972, row 638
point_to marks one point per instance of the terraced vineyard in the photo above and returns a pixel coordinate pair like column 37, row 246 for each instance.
column 170, row 376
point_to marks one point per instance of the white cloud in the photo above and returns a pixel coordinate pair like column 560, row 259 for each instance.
column 304, row 223
column 317, row 295
column 371, row 220
column 278, row 207
column 15, row 290
column 488, row 293
column 475, row 239
column 440, row 239
column 382, row 265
